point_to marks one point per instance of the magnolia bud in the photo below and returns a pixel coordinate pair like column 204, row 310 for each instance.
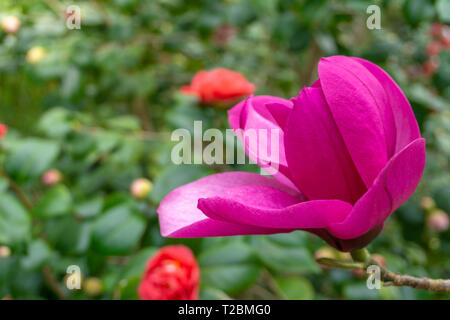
column 427, row 203
column 325, row 252
column 5, row 251
column 36, row 54
column 92, row 286
column 10, row 24
column 438, row 221
column 51, row 177
column 140, row 188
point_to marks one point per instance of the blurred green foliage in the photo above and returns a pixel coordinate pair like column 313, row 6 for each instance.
column 98, row 106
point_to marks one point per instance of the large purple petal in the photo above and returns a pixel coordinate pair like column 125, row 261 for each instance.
column 180, row 217
column 407, row 129
column 249, row 119
column 359, row 112
column 267, row 207
column 317, row 157
column 395, row 184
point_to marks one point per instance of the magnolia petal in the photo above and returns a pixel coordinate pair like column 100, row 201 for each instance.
column 395, row 184
column 356, row 112
column 267, row 207
column 407, row 129
column 180, row 217
column 257, row 127
column 317, row 157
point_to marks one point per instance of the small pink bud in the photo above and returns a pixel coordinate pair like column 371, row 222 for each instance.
column 36, row 54
column 51, row 177
column 10, row 24
column 438, row 221
column 5, row 251
column 358, row 273
column 140, row 188
column 380, row 259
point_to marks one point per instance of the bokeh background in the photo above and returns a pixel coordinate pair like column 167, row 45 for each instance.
column 96, row 104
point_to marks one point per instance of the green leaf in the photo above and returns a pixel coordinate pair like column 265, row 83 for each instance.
column 420, row 94
column 128, row 288
column 360, row 291
column 295, row 288
column 124, row 123
column 15, row 222
column 55, row 122
column 68, row 235
column 30, row 158
column 443, row 10
column 417, row 11
column 231, row 267
column 38, row 254
column 117, row 231
column 56, row 202
column 284, row 258
column 90, row 207
column 209, row 293
column 137, row 263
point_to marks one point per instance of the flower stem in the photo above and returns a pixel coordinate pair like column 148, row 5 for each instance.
column 394, row 279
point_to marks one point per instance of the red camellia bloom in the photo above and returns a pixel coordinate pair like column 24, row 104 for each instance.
column 3, row 129
column 218, row 85
column 172, row 274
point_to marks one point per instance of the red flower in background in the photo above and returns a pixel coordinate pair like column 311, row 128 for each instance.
column 218, row 85
column 172, row 274
column 3, row 129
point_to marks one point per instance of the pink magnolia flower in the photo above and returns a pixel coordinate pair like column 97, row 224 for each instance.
column 351, row 154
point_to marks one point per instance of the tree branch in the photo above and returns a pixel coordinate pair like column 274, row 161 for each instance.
column 394, row 279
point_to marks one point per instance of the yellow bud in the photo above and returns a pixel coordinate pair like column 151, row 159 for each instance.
column 93, row 286
column 140, row 188
column 427, row 203
column 36, row 54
